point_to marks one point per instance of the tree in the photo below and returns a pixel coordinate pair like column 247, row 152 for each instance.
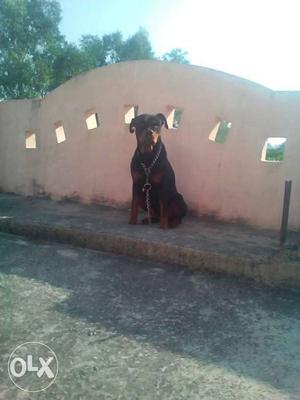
column 113, row 44
column 35, row 58
column 101, row 51
column 93, row 51
column 29, row 40
column 111, row 48
column 137, row 47
column 69, row 61
column 176, row 55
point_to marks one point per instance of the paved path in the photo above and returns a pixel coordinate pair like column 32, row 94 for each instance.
column 136, row 330
column 199, row 244
column 229, row 239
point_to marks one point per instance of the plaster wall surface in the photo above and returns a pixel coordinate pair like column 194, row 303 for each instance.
column 227, row 180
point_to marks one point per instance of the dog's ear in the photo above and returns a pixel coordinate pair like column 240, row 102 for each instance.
column 163, row 120
column 132, row 125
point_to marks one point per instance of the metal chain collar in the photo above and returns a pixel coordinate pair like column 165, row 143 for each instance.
column 147, row 186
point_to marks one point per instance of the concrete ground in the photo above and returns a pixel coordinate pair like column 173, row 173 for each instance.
column 131, row 329
column 201, row 244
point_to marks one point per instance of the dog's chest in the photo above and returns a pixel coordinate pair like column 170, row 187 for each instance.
column 155, row 177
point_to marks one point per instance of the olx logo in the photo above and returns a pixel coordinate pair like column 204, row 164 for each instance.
column 33, row 366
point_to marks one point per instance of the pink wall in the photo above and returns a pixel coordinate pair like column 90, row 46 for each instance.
column 228, row 180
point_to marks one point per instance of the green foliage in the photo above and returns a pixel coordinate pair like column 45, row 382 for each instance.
column 29, row 38
column 113, row 44
column 222, row 132
column 176, row 55
column 275, row 153
column 35, row 58
column 69, row 61
column 93, row 50
column 137, row 47
column 177, row 118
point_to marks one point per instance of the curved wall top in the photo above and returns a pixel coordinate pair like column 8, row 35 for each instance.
column 228, row 179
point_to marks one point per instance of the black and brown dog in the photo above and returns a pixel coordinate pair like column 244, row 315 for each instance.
column 153, row 176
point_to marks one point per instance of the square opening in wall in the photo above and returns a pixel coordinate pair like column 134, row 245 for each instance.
column 220, row 132
column 30, row 140
column 273, row 150
column 60, row 132
column 91, row 119
column 130, row 113
column 174, row 117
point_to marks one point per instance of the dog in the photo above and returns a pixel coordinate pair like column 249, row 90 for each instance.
column 153, row 189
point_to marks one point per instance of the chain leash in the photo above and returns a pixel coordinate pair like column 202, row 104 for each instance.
column 147, row 186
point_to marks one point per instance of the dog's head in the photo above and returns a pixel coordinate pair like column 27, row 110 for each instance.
column 147, row 128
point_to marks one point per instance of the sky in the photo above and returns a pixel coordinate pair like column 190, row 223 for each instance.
column 255, row 39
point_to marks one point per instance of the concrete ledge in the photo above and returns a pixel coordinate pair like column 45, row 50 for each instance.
column 277, row 270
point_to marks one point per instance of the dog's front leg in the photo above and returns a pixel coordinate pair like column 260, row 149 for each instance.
column 163, row 202
column 134, row 206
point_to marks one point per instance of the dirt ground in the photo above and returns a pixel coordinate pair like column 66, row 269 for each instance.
column 129, row 329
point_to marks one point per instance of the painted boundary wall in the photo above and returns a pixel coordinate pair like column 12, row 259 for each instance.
column 227, row 180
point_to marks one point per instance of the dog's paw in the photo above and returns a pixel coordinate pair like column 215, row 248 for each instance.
column 164, row 222
column 164, row 225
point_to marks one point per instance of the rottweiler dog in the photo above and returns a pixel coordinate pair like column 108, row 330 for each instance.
column 154, row 189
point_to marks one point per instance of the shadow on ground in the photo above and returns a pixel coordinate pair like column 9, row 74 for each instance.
column 247, row 330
